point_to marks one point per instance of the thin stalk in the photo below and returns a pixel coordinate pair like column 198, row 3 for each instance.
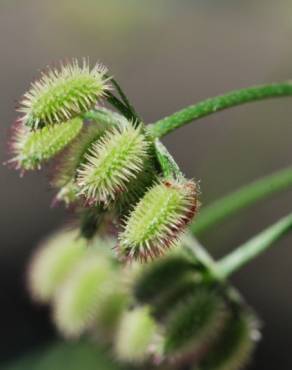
column 240, row 199
column 254, row 247
column 218, row 103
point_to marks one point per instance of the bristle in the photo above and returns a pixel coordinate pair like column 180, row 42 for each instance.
column 161, row 275
column 158, row 220
column 193, row 324
column 53, row 261
column 63, row 93
column 111, row 163
column 235, row 345
column 32, row 148
column 78, row 300
column 135, row 335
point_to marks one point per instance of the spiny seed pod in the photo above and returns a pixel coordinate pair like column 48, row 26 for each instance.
column 158, row 220
column 112, row 162
column 79, row 299
column 32, row 148
column 74, row 155
column 193, row 324
column 185, row 286
column 61, row 94
column 52, row 263
column 235, row 345
column 160, row 276
column 113, row 304
column 135, row 335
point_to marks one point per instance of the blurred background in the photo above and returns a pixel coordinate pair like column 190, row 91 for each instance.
column 166, row 54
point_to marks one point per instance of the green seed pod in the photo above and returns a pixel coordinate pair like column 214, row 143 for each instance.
column 79, row 299
column 235, row 345
column 158, row 220
column 111, row 163
column 63, row 93
column 32, row 148
column 160, row 276
column 185, row 286
column 194, row 324
column 74, row 155
column 53, row 262
column 135, row 335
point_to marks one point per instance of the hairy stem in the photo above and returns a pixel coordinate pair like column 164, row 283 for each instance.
column 218, row 103
column 254, row 247
column 240, row 199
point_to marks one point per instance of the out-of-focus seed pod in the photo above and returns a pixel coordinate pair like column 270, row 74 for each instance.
column 32, row 148
column 160, row 276
column 77, row 302
column 135, row 335
column 158, row 220
column 234, row 347
column 112, row 163
column 53, row 262
column 63, row 93
column 194, row 324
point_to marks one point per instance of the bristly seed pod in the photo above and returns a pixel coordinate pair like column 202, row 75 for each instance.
column 111, row 163
column 52, row 263
column 235, row 345
column 158, row 220
column 193, row 324
column 78, row 300
column 135, row 335
column 160, row 276
column 61, row 94
column 32, row 148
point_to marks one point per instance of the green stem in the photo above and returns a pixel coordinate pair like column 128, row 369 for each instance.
column 254, row 247
column 240, row 199
column 218, row 103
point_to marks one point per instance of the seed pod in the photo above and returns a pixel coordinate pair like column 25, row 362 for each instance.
column 158, row 220
column 235, row 345
column 74, row 155
column 53, row 262
column 111, row 163
column 160, row 276
column 32, row 148
column 64, row 93
column 194, row 324
column 135, row 335
column 79, row 299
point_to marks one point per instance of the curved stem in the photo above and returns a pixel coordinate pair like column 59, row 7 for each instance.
column 254, row 247
column 218, row 103
column 240, row 199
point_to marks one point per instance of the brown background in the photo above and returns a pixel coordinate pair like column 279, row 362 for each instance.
column 167, row 54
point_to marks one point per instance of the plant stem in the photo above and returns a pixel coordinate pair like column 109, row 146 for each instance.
column 254, row 247
column 218, row 103
column 240, row 199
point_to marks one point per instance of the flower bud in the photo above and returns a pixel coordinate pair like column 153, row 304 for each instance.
column 80, row 298
column 135, row 335
column 32, row 148
column 193, row 324
column 111, row 163
column 158, row 220
column 61, row 94
column 53, row 262
column 234, row 347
